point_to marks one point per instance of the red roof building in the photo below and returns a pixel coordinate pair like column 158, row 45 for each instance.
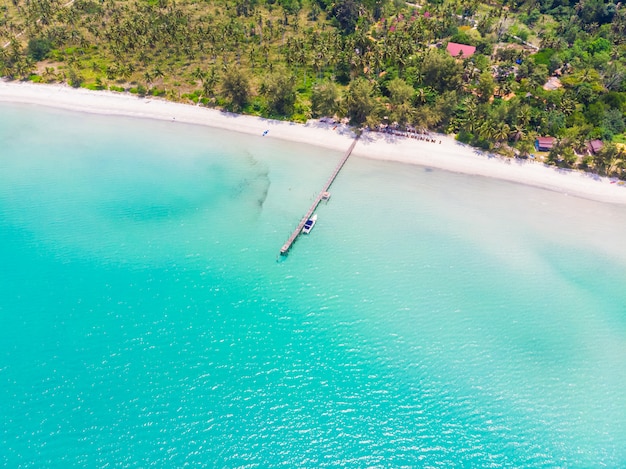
column 460, row 50
column 544, row 143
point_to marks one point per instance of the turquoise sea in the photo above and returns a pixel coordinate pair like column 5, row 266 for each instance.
column 430, row 319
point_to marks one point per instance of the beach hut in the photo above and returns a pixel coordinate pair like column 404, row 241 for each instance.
column 595, row 146
column 460, row 50
column 552, row 84
column 544, row 143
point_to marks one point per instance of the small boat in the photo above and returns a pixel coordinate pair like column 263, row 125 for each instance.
column 309, row 224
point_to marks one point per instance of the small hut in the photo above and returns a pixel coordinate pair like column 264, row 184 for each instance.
column 552, row 84
column 594, row 146
column 544, row 143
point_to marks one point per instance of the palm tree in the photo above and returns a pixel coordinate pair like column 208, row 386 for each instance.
column 157, row 73
column 501, row 131
column 470, row 72
column 487, row 130
column 611, row 160
column 506, row 88
column 524, row 115
column 601, row 160
column 198, row 74
column 525, row 146
column 49, row 74
column 124, row 72
column 210, row 80
column 110, row 72
column 471, row 114
column 518, row 132
column 24, row 66
column 579, row 143
column 568, row 106
column 148, row 77
column 617, row 164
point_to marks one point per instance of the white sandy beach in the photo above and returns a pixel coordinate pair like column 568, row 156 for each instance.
column 448, row 155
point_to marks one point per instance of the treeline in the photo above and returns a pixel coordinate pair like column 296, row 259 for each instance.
column 373, row 61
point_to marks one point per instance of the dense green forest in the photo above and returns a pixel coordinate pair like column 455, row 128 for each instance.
column 541, row 67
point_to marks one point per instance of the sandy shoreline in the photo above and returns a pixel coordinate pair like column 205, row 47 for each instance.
column 448, row 155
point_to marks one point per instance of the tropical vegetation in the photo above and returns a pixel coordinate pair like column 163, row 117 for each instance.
column 541, row 67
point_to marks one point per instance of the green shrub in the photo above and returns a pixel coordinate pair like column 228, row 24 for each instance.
column 465, row 137
column 94, row 86
column 39, row 48
column 74, row 78
column 543, row 56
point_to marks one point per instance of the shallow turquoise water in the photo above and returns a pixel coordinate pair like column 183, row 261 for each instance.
column 430, row 319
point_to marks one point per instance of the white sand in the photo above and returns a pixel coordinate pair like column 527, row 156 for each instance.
column 448, row 155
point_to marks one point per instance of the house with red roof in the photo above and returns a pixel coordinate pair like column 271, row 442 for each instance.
column 460, row 50
column 544, row 143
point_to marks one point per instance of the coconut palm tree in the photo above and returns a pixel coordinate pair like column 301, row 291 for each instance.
column 469, row 119
column 524, row 115
column 487, row 130
column 568, row 106
column 211, row 79
column 157, row 73
column 198, row 74
column 506, row 88
column 501, row 131
column 616, row 164
column 601, row 160
column 517, row 132
column 148, row 77
column 610, row 160
column 49, row 74
column 525, row 146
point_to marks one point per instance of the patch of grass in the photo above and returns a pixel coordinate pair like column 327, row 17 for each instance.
column 620, row 138
column 543, row 56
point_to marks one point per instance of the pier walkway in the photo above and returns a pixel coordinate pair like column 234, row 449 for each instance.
column 292, row 239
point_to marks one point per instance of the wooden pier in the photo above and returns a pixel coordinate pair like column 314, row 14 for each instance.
column 322, row 195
